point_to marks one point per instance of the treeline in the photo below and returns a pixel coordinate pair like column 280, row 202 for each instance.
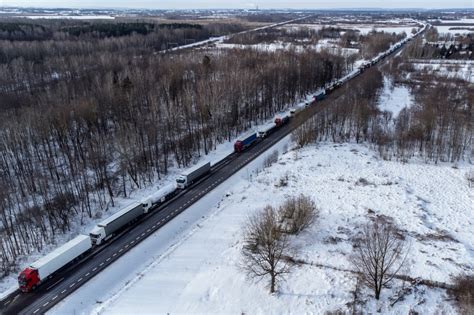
column 439, row 127
column 442, row 46
column 42, row 44
column 376, row 42
column 370, row 45
column 276, row 34
column 351, row 115
column 68, row 150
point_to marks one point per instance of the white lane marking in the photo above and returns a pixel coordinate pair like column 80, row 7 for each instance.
column 126, row 246
column 107, row 259
column 148, row 231
column 55, row 297
column 46, row 304
column 87, row 274
column 72, row 285
column 137, row 238
column 7, row 302
column 36, row 311
column 132, row 242
column 154, row 226
column 115, row 254
column 63, row 291
column 143, row 234
column 101, row 264
column 95, row 268
column 80, row 279
column 121, row 250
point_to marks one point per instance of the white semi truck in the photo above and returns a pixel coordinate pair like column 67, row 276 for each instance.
column 106, row 229
column 46, row 266
column 265, row 130
column 188, row 177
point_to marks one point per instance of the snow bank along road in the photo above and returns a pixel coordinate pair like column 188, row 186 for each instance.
column 68, row 280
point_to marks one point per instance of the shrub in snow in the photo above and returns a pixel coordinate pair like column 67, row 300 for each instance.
column 297, row 214
column 463, row 292
column 271, row 159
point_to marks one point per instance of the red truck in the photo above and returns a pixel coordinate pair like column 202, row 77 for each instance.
column 280, row 121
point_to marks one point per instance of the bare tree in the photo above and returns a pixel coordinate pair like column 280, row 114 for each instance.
column 298, row 213
column 266, row 248
column 379, row 255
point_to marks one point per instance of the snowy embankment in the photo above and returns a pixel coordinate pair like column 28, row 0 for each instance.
column 431, row 204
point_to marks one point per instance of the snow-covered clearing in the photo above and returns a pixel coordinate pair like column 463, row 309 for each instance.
column 394, row 98
column 463, row 69
column 461, row 30
column 386, row 29
column 362, row 28
column 464, row 21
column 432, row 204
column 271, row 47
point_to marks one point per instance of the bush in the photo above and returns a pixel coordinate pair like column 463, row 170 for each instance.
column 298, row 213
column 270, row 159
column 463, row 293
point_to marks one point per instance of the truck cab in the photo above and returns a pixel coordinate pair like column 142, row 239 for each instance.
column 28, row 280
column 181, row 181
column 147, row 204
column 97, row 235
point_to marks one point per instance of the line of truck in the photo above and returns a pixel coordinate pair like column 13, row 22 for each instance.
column 39, row 271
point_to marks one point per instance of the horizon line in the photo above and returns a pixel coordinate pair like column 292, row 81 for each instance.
column 237, row 8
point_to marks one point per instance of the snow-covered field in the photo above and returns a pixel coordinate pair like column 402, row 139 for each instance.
column 464, row 21
column 362, row 28
column 448, row 29
column 271, row 47
column 444, row 68
column 386, row 29
column 394, row 98
column 200, row 273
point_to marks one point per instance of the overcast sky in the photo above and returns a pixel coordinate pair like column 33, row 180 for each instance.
column 263, row 4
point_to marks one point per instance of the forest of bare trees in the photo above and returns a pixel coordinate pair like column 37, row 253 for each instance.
column 115, row 117
column 439, row 127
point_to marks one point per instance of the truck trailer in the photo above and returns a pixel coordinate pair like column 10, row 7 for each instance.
column 32, row 276
column 190, row 176
column 320, row 96
column 106, row 229
column 243, row 143
column 264, row 131
column 159, row 197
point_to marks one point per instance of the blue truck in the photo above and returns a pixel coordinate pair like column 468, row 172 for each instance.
column 243, row 143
